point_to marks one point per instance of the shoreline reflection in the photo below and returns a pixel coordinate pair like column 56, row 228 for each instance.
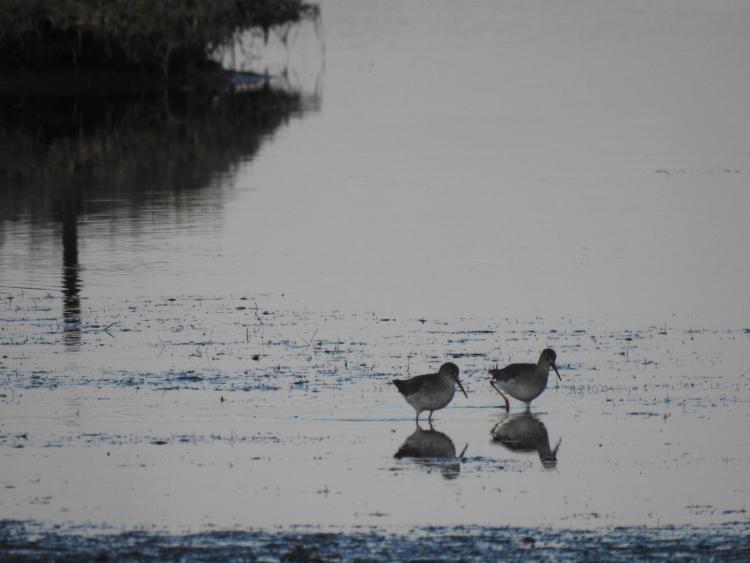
column 133, row 161
column 70, row 277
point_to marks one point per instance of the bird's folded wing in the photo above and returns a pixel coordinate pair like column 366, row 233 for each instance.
column 509, row 372
column 410, row 386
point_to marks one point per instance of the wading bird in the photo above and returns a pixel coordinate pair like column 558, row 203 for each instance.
column 524, row 382
column 431, row 392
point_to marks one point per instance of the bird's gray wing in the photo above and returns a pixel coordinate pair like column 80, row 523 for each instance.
column 410, row 386
column 511, row 372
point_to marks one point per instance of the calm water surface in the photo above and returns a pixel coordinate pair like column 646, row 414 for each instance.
column 203, row 306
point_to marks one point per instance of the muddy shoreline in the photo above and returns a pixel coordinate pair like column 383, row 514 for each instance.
column 27, row 541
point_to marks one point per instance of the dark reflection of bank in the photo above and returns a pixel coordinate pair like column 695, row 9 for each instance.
column 525, row 432
column 432, row 449
column 71, row 279
column 65, row 159
column 124, row 155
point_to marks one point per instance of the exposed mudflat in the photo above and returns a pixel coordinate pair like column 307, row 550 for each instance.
column 185, row 416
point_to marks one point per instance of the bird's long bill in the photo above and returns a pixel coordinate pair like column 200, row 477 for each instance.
column 554, row 367
column 461, row 387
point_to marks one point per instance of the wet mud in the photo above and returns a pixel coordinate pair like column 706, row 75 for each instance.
column 220, row 426
column 22, row 541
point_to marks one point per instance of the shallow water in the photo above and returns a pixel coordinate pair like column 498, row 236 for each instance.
column 167, row 419
column 202, row 307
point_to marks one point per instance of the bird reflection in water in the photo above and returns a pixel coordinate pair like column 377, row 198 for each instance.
column 432, row 449
column 524, row 432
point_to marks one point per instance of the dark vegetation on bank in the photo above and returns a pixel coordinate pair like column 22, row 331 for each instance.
column 117, row 98
column 164, row 37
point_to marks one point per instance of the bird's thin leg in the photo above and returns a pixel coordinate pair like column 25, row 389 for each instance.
column 507, row 403
column 417, row 418
column 429, row 419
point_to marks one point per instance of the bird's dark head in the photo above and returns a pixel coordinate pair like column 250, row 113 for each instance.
column 547, row 360
column 548, row 355
column 451, row 370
